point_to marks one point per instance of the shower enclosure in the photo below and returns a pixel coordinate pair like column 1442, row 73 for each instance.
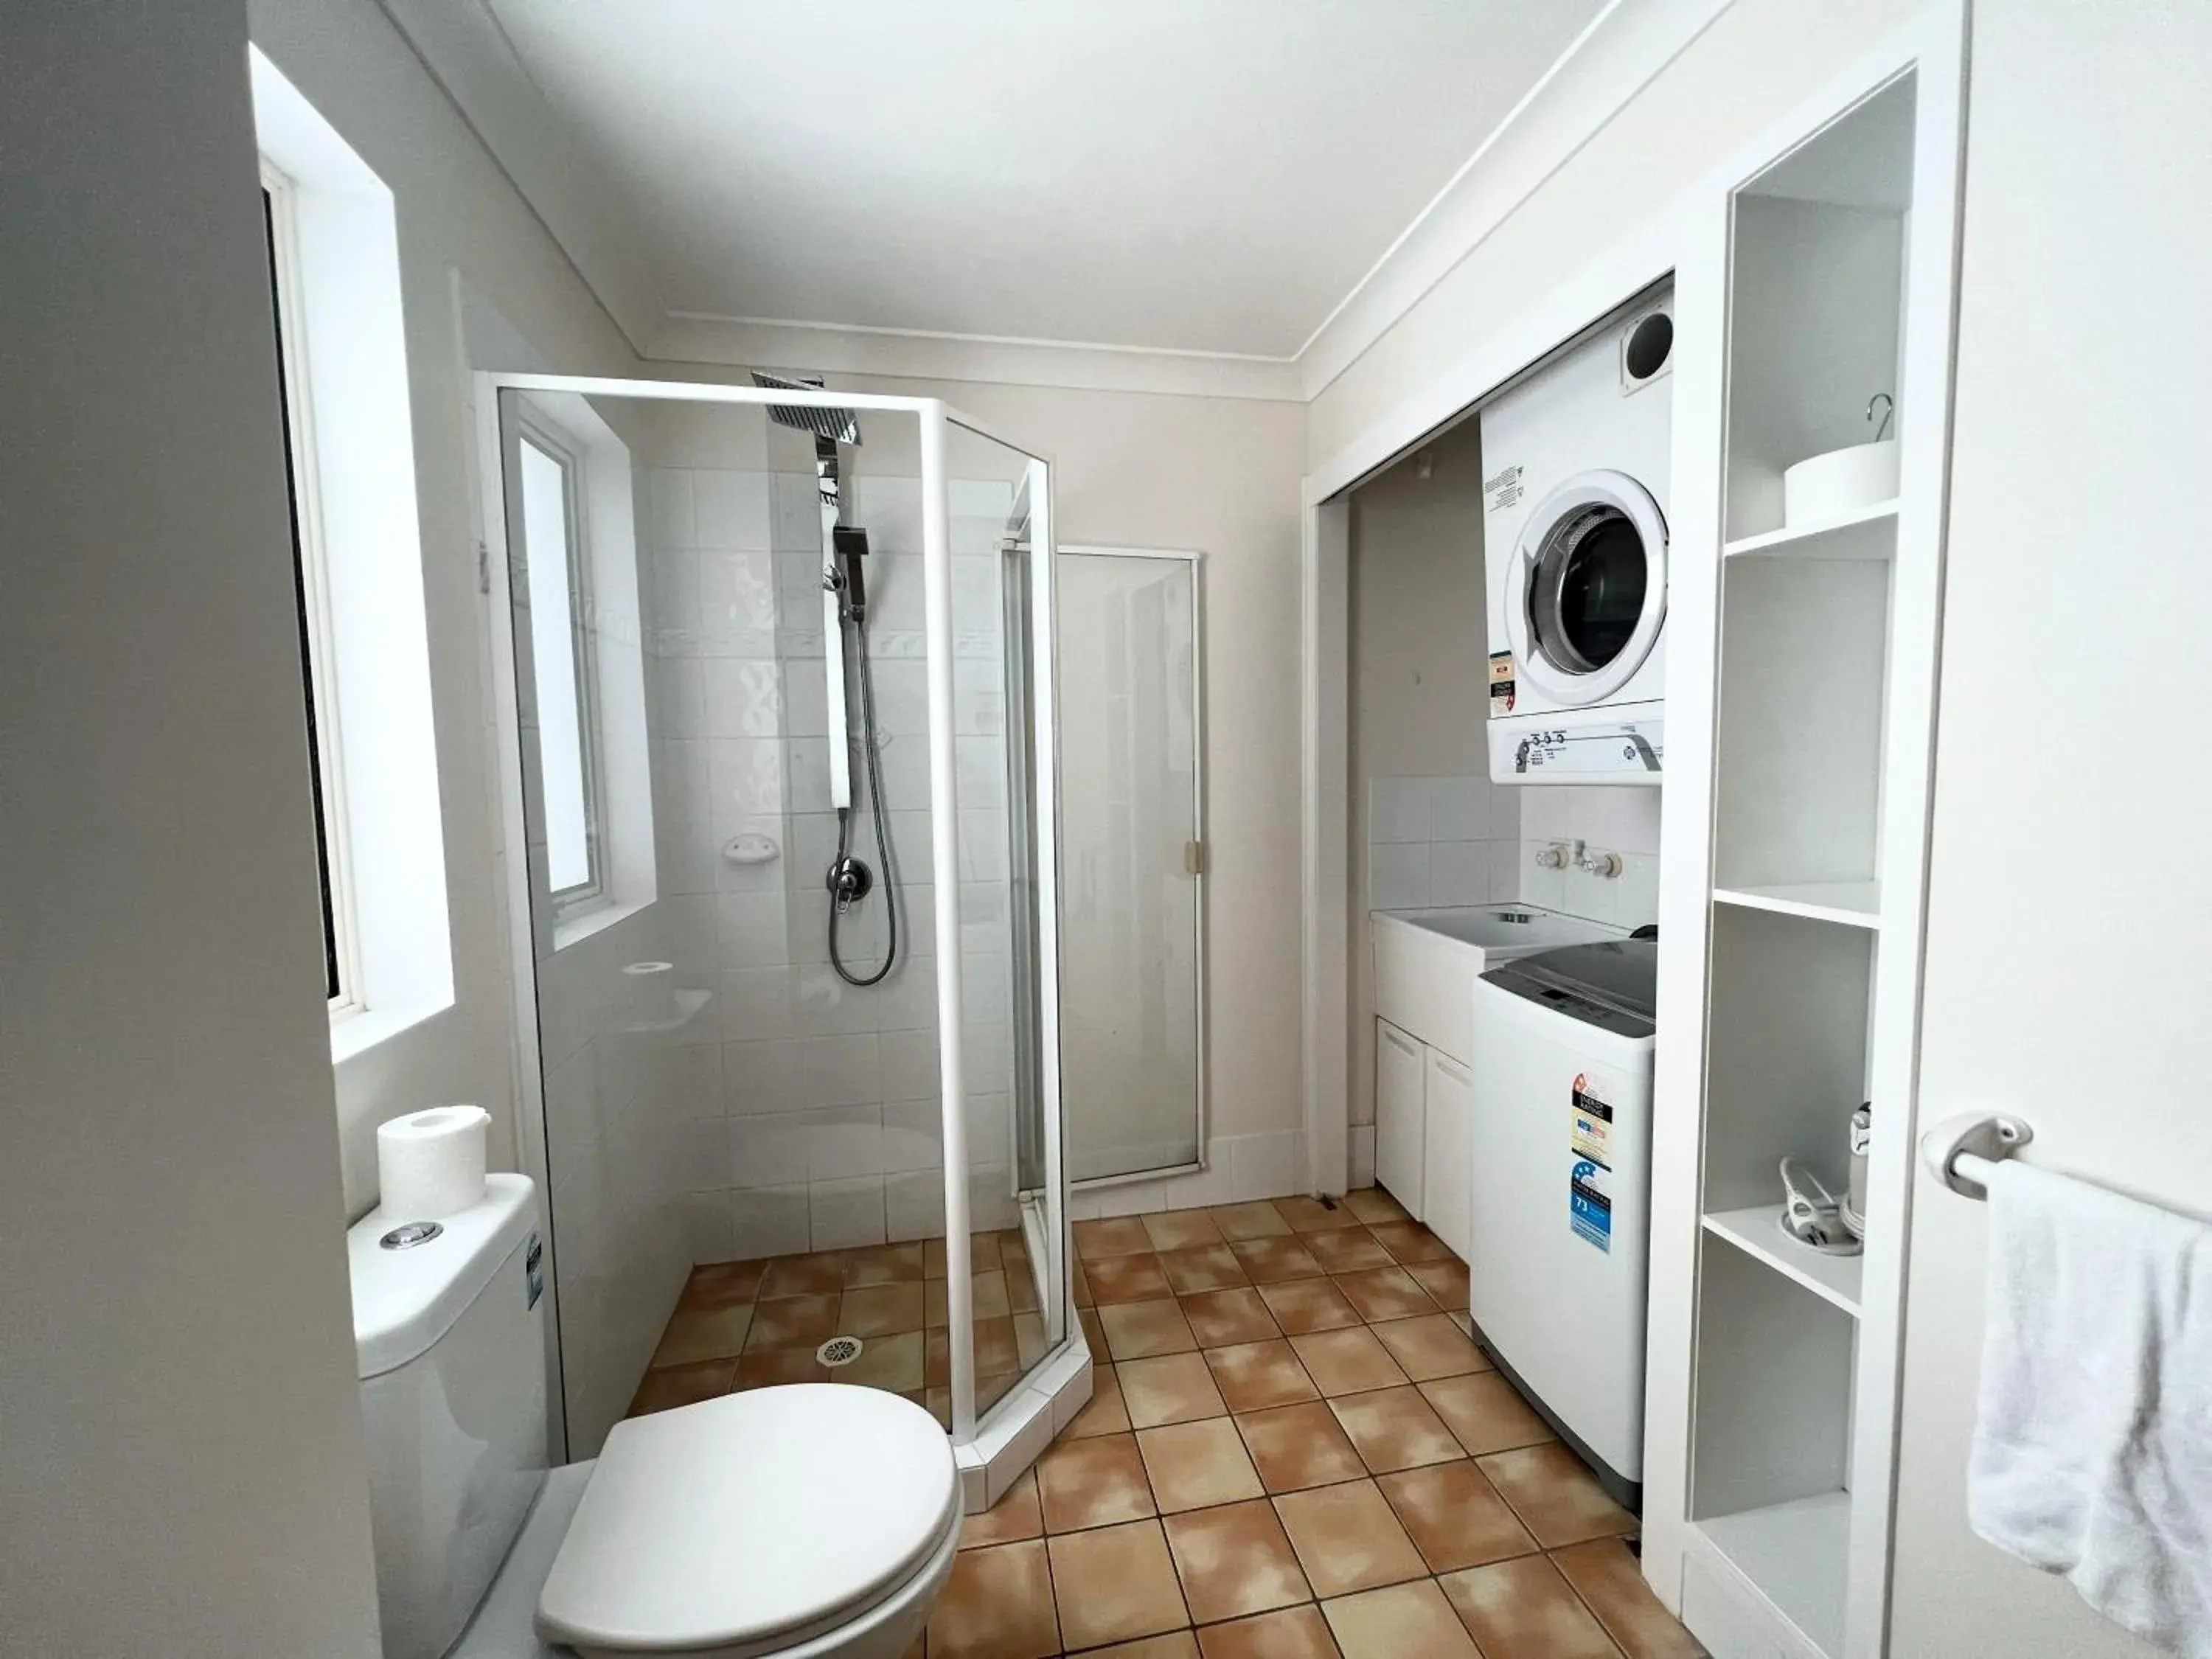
column 775, row 670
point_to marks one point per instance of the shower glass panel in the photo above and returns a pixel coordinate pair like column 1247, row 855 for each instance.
column 799, row 926
column 1132, row 862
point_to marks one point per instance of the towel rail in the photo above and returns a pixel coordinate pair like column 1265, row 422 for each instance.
column 1960, row 1151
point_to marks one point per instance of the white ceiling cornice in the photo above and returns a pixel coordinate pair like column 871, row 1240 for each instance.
column 1624, row 47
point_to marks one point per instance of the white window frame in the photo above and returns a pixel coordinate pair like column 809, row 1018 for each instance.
column 559, row 447
column 315, row 584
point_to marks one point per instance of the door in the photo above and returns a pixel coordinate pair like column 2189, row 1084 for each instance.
column 1401, row 1083
column 1447, row 1170
column 1132, row 863
column 2100, row 1049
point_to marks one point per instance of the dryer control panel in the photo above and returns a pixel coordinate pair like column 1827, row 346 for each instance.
column 1600, row 752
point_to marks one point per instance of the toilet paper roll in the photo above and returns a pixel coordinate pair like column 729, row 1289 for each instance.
column 431, row 1164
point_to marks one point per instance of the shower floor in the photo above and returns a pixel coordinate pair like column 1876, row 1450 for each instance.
column 744, row 1325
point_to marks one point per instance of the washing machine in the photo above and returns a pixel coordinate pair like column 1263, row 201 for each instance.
column 1574, row 462
column 1558, row 1257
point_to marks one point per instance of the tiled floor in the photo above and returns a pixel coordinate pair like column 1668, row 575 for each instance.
column 747, row 1324
column 1294, row 1454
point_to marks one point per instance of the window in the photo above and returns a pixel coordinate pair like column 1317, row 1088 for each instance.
column 560, row 592
column 310, row 584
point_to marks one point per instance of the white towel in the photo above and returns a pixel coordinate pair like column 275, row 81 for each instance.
column 2092, row 1438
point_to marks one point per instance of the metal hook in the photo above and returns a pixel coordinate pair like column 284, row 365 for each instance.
column 1888, row 409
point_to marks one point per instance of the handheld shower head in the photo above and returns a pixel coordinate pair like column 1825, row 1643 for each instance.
column 837, row 426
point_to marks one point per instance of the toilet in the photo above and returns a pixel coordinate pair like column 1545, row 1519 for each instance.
column 814, row 1521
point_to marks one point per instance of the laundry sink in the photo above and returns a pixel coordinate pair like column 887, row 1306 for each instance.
column 1427, row 961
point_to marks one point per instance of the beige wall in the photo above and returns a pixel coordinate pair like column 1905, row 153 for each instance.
column 1759, row 61
column 457, row 214
column 180, row 1446
column 2074, row 612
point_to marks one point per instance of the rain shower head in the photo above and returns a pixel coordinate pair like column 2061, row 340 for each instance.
column 839, row 426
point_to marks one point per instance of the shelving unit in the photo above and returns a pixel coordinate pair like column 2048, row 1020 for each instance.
column 1802, row 741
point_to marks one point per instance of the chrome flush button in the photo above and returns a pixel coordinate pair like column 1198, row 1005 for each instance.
column 414, row 1233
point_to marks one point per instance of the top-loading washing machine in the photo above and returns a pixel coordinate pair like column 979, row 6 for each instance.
column 1574, row 463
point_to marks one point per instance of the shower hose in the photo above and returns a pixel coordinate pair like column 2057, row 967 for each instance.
column 873, row 766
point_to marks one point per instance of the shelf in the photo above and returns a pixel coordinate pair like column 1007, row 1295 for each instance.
column 1797, row 1555
column 1852, row 904
column 1757, row 1233
column 1867, row 533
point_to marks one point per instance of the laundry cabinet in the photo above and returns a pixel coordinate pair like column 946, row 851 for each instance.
column 1424, row 1132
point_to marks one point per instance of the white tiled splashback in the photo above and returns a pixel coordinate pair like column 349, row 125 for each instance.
column 1439, row 842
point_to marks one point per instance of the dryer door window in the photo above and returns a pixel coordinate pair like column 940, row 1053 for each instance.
column 1586, row 595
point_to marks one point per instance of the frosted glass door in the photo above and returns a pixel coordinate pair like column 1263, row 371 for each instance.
column 1131, row 854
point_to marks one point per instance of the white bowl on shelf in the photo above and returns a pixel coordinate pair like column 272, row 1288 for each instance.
column 1842, row 481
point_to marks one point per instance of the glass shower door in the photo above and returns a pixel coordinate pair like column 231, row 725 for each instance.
column 1131, row 857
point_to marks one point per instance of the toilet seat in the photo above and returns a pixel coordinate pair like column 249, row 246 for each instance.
column 752, row 1524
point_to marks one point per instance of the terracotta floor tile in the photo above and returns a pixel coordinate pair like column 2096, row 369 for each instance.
column 998, row 1604
column 1395, row 1429
column 1524, row 1610
column 711, row 1333
column 1556, row 1498
column 1021, row 1285
column 1176, row 1644
column 997, row 1347
column 799, row 1321
column 682, row 1385
column 1409, row 1240
column 934, row 1308
column 1605, row 1576
column 1114, row 1584
column 1269, row 1261
column 1485, row 1413
column 1093, row 1483
column 1456, row 1517
column 1346, row 1250
column 1309, row 1304
column 1399, row 1622
column 1235, row 1560
column 803, row 1275
column 1261, row 1220
column 724, row 1284
column 1016, row 1515
column 1176, row 1388
column 772, row 1369
column 1194, row 1466
column 1122, row 1234
column 1430, row 1345
column 1373, row 1205
column 1080, row 1279
column 986, row 1296
column 990, row 1390
column 932, row 1258
column 893, row 1362
column 1094, row 1334
column 1254, row 1376
column 937, row 1358
column 1295, row 1446
column 1127, row 1278
column 1031, row 1339
column 1385, row 1293
column 883, row 1264
column 1181, row 1230
column 1296, row 1633
column 1445, row 1281
column 1106, row 1413
column 1217, row 1318
column 1310, row 1215
column 1135, row 1330
column 881, row 1309
column 1202, row 1268
column 1346, row 1361
column 1347, row 1539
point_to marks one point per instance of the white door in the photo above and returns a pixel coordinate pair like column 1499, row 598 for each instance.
column 2045, row 784
column 1399, row 1131
column 1447, row 1162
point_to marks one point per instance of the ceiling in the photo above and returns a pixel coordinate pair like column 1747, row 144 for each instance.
column 1208, row 176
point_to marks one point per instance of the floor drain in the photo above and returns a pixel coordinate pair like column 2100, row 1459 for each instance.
column 839, row 1351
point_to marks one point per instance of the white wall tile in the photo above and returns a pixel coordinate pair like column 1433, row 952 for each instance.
column 1588, row 895
column 757, row 1004
column 769, row 1221
column 732, row 509
column 1397, row 875
column 914, row 1206
column 914, row 1136
column 1636, row 902
column 844, row 1141
column 1459, row 809
column 839, row 1071
column 753, row 930
column 1398, row 810
column 1362, row 1155
column 769, row 1152
column 1505, row 872
column 1459, row 872
column 1537, row 885
column 738, row 697
column 844, row 1215
column 672, row 516
column 761, row 1077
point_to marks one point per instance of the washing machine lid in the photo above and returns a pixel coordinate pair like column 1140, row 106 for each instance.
column 753, row 1517
column 1614, row 985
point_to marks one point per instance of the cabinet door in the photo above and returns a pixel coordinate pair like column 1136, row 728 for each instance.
column 1447, row 1164
column 1399, row 1061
